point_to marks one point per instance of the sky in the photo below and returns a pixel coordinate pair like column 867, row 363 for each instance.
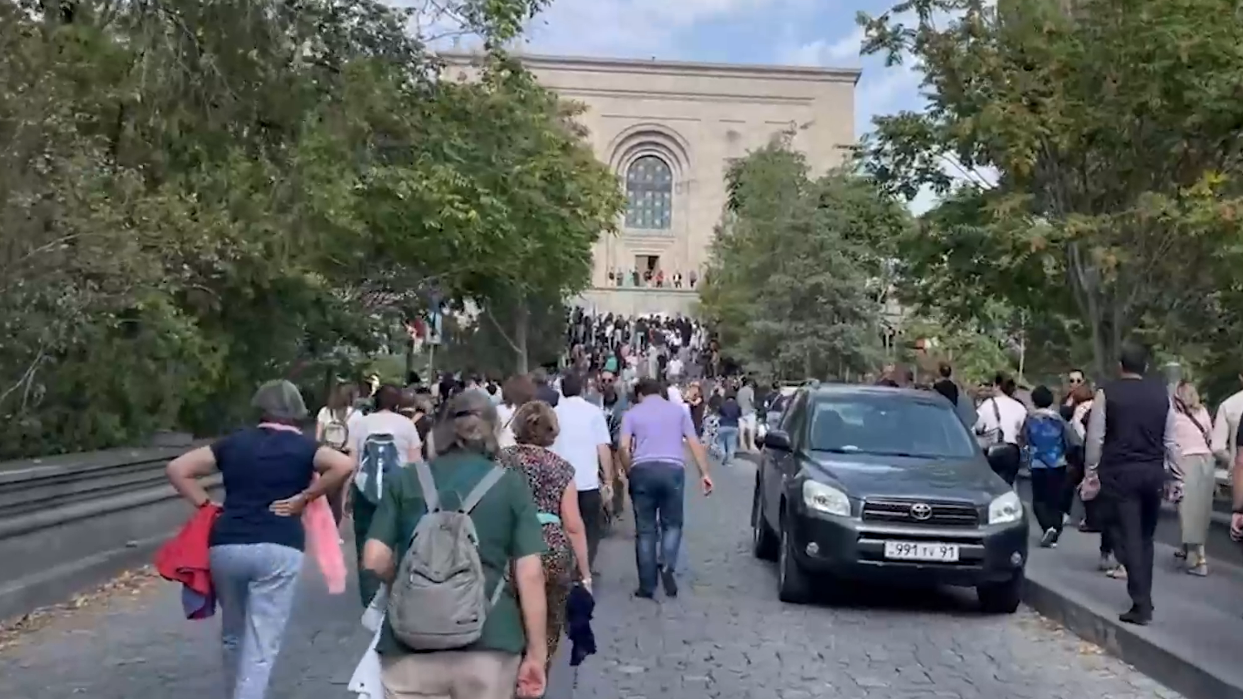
column 783, row 32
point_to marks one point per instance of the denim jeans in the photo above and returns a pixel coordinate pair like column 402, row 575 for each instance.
column 657, row 490
column 727, row 437
column 255, row 585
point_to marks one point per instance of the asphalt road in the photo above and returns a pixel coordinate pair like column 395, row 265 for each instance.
column 726, row 637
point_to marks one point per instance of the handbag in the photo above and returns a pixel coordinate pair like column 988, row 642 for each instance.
column 994, row 438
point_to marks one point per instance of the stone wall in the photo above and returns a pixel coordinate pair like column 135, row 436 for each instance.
column 635, row 301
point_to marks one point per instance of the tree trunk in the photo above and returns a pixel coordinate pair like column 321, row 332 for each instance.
column 522, row 323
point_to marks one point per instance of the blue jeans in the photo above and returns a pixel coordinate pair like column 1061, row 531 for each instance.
column 657, row 490
column 727, row 437
column 255, row 585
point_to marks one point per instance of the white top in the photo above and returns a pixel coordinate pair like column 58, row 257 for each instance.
column 674, row 395
column 385, row 422
column 325, row 418
column 1226, row 427
column 675, row 367
column 504, row 425
column 1011, row 412
column 583, row 429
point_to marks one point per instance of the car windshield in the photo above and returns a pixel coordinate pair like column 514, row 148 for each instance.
column 889, row 425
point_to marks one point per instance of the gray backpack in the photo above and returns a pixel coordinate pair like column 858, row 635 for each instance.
column 438, row 600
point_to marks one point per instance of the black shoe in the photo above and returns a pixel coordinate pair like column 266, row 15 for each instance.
column 671, row 584
column 1135, row 616
column 644, row 594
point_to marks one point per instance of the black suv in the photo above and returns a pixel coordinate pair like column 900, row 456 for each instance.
column 885, row 484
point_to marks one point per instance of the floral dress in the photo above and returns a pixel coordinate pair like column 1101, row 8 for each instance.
column 548, row 475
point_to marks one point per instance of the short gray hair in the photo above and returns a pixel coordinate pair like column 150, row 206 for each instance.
column 281, row 401
column 469, row 424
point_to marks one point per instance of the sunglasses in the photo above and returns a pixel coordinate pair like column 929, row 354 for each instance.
column 1076, row 381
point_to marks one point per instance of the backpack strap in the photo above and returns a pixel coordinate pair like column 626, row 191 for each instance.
column 485, row 484
column 428, row 484
column 500, row 587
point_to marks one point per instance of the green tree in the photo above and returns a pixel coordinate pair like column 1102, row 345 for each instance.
column 792, row 283
column 196, row 197
column 1111, row 127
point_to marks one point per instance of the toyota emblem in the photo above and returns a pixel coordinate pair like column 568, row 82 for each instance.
column 921, row 511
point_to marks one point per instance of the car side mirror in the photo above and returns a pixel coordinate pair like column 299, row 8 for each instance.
column 777, row 440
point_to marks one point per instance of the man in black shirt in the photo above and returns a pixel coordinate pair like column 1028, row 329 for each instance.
column 1130, row 448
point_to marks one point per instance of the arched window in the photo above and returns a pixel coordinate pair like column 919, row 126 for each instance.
column 649, row 194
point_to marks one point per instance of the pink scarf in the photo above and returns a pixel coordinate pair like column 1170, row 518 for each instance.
column 323, row 541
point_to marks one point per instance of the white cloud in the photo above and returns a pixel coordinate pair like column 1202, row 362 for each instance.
column 840, row 53
column 632, row 28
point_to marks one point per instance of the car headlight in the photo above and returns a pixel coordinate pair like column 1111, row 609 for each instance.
column 1005, row 508
column 826, row 499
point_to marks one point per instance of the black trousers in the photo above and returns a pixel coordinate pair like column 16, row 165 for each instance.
column 591, row 506
column 1048, row 490
column 1005, row 461
column 1133, row 502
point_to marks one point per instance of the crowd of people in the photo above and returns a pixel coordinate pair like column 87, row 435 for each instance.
column 1115, row 453
column 654, row 278
column 477, row 507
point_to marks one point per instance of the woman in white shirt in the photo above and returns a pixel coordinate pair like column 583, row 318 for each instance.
column 517, row 391
column 998, row 423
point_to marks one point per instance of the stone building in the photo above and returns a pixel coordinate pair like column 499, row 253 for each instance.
column 669, row 130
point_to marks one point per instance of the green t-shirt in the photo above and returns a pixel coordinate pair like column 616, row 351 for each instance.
column 506, row 521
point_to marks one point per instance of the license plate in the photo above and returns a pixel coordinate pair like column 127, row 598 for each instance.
column 921, row 551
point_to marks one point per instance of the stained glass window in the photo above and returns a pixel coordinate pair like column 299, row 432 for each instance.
column 649, row 194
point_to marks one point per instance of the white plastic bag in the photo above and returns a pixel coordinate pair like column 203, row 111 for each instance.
column 374, row 616
column 366, row 682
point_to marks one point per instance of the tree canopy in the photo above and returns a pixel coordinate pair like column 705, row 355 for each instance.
column 796, row 278
column 1110, row 131
column 196, row 197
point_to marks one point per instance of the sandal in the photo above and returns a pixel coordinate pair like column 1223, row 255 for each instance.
column 1181, row 554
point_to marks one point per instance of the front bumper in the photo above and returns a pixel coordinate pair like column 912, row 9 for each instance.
column 852, row 549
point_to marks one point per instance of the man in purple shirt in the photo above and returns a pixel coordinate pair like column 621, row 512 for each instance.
column 653, row 435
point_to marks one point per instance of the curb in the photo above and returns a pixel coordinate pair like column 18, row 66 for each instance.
column 1127, row 643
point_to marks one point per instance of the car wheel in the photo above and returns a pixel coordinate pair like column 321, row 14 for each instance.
column 763, row 541
column 793, row 584
column 1003, row 597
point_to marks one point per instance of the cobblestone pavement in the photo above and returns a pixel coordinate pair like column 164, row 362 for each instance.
column 727, row 636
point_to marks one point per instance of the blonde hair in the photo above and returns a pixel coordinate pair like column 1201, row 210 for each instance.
column 535, row 423
column 1187, row 393
column 469, row 425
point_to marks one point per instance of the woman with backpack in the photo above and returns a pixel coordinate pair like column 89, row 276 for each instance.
column 383, row 442
column 1049, row 438
column 462, row 633
column 332, row 430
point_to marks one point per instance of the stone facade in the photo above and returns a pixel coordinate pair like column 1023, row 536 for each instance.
column 669, row 130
